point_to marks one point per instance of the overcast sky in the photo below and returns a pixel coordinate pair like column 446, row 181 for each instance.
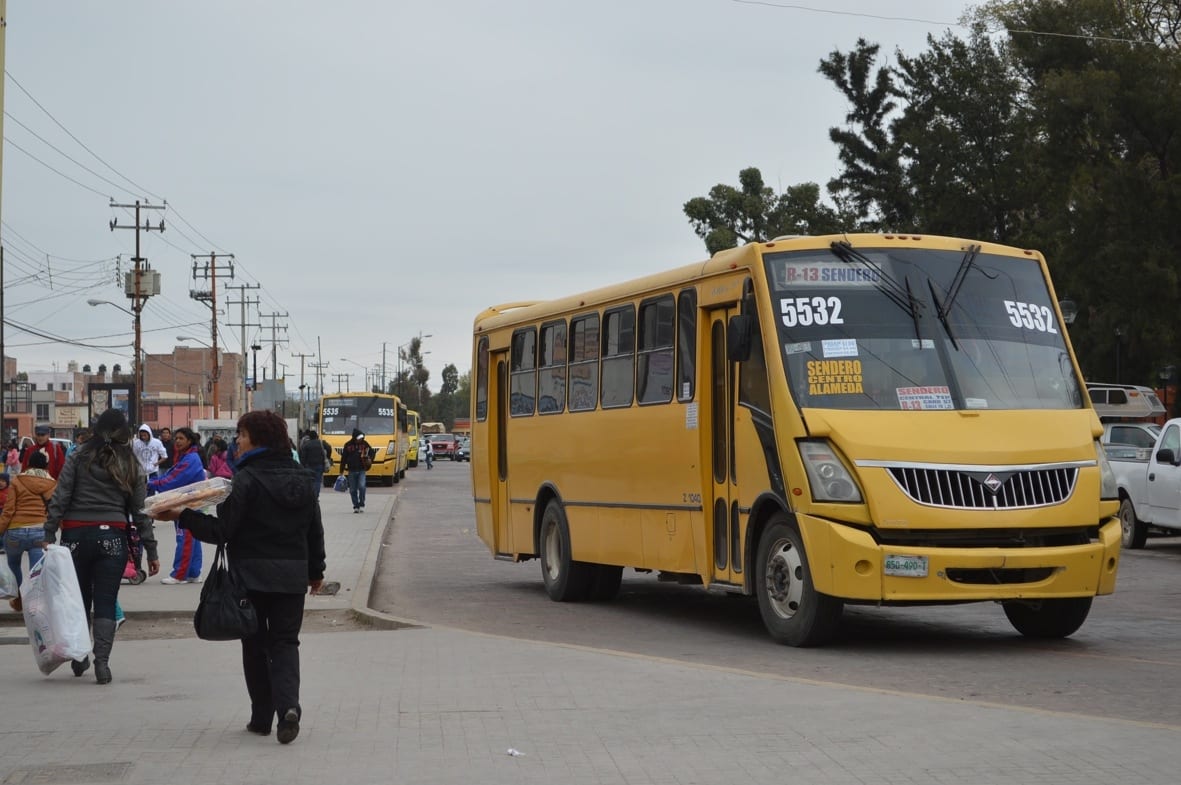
column 385, row 169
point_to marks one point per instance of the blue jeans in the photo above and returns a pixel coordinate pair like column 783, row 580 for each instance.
column 19, row 540
column 357, row 489
column 318, row 483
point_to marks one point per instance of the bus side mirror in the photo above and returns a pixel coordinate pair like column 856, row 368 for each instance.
column 739, row 337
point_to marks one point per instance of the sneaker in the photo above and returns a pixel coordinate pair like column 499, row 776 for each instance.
column 261, row 730
column 168, row 580
column 356, row 510
column 119, row 622
column 198, row 579
column 288, row 726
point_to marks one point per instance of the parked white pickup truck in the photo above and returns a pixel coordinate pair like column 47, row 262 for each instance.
column 1149, row 481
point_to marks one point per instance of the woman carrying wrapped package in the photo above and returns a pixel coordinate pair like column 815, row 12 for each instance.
column 101, row 485
column 274, row 538
column 186, row 470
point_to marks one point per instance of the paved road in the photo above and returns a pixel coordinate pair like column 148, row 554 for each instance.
column 436, row 570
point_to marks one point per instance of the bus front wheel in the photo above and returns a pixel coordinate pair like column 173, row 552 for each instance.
column 566, row 580
column 792, row 610
column 1053, row 618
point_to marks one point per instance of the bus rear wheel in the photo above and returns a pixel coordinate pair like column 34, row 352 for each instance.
column 793, row 612
column 1053, row 618
column 566, row 580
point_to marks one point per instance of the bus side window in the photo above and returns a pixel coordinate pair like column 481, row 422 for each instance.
column 481, row 380
column 654, row 357
column 686, row 344
column 523, row 384
column 619, row 365
column 551, row 380
column 584, row 363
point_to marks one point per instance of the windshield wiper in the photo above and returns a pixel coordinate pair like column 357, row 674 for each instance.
column 897, row 293
column 957, row 282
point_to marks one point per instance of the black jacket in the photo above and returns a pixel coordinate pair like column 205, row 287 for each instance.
column 270, row 523
column 350, row 454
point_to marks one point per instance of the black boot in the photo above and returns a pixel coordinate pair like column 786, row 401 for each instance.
column 80, row 666
column 104, row 639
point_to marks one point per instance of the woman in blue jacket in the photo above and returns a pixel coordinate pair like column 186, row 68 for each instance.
column 187, row 469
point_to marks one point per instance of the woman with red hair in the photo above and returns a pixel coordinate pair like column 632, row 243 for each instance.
column 275, row 542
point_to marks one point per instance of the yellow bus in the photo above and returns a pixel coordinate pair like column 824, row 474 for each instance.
column 412, row 436
column 867, row 419
column 382, row 418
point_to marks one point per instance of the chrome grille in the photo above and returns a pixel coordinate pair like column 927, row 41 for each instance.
column 964, row 490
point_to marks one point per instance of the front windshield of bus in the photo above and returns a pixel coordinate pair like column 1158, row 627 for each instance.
column 903, row 328
column 339, row 416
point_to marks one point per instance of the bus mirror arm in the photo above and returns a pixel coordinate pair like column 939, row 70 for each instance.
column 739, row 337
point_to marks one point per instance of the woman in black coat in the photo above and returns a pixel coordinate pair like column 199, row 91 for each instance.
column 275, row 544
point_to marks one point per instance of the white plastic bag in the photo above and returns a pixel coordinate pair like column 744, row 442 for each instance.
column 8, row 587
column 54, row 615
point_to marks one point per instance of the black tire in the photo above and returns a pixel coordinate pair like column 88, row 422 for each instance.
column 412, row 464
column 389, row 481
column 793, row 612
column 566, row 580
column 1054, row 618
column 1133, row 532
column 605, row 585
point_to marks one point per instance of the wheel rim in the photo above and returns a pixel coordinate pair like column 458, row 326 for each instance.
column 784, row 579
column 552, row 546
column 1127, row 521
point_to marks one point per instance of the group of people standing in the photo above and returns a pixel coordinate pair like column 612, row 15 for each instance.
column 270, row 525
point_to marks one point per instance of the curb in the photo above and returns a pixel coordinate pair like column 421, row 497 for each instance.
column 360, row 610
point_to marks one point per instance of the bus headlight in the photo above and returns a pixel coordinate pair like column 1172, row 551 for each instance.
column 1108, row 487
column 391, row 448
column 830, row 479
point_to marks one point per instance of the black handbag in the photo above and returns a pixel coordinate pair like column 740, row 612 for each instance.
column 225, row 612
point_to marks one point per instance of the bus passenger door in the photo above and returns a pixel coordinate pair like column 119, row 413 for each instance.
column 498, row 409
column 722, row 508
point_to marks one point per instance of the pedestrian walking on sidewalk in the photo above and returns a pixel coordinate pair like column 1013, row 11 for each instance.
column 315, row 456
column 101, row 486
column 186, row 470
column 275, row 542
column 53, row 451
column 356, row 457
column 22, row 524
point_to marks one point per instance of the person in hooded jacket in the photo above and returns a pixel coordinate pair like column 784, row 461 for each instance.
column 101, row 486
column 149, row 450
column 353, row 455
column 187, row 469
column 22, row 523
column 275, row 543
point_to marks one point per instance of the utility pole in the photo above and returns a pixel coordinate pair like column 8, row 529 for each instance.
column 319, row 377
column 302, row 417
column 209, row 272
column 341, row 377
column 140, row 284
column 275, row 341
column 243, row 324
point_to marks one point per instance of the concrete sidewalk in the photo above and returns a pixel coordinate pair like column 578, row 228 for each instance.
column 433, row 705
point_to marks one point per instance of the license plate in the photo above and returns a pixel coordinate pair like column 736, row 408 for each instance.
column 906, row 566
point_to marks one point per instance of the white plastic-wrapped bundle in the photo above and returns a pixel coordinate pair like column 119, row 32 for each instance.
column 54, row 616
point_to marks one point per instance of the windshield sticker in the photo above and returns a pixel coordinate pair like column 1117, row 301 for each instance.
column 1031, row 316
column 923, row 397
column 976, row 403
column 823, row 274
column 926, row 343
column 834, row 377
column 807, row 311
column 797, row 348
column 840, row 347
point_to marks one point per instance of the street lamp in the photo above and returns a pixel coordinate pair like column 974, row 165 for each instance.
column 203, row 379
column 139, row 366
column 362, row 367
column 1069, row 309
column 401, row 382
